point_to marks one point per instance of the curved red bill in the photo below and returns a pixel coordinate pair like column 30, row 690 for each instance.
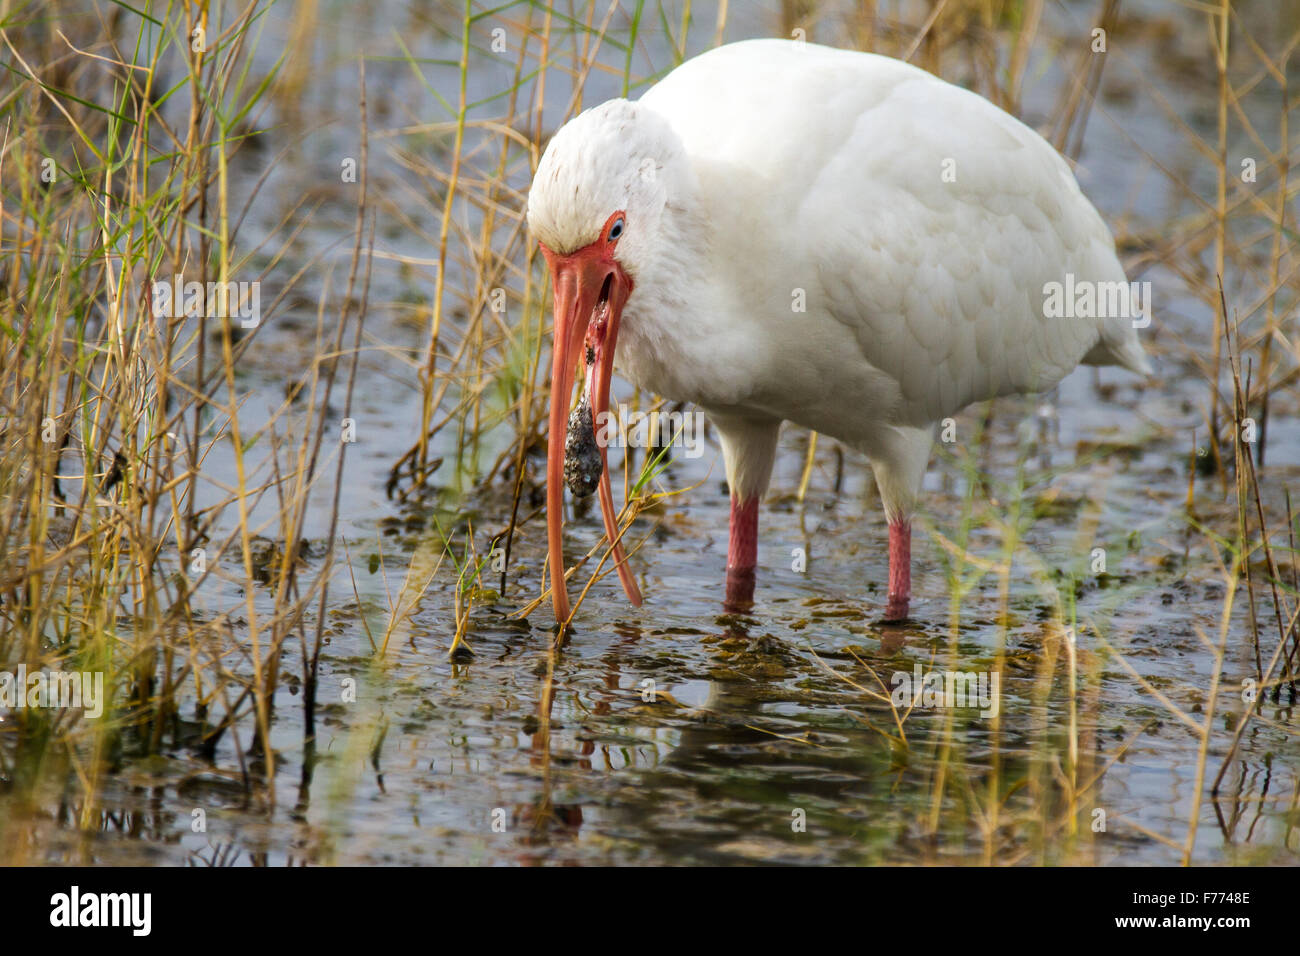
column 590, row 290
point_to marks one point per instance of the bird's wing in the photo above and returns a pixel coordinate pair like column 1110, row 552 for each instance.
column 917, row 216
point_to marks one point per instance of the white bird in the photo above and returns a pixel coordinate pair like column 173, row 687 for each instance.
column 781, row 231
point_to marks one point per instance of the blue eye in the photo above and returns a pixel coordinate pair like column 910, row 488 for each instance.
column 616, row 230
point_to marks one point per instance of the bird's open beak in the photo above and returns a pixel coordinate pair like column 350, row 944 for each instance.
column 590, row 290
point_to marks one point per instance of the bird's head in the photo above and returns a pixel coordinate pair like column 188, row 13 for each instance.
column 595, row 208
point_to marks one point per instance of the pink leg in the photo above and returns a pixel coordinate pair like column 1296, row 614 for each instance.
column 742, row 552
column 900, row 570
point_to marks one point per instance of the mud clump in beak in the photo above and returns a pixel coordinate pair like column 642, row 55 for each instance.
column 582, row 462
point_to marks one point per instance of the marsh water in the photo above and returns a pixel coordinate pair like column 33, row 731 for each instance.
column 682, row 732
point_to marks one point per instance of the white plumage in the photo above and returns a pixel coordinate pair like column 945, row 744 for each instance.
column 832, row 238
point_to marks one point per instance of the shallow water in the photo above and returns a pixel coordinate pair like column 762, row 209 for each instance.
column 680, row 733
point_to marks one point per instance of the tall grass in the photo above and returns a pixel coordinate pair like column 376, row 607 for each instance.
column 116, row 174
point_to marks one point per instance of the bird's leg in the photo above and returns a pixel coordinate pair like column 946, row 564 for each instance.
column 742, row 552
column 900, row 569
column 749, row 447
column 899, row 466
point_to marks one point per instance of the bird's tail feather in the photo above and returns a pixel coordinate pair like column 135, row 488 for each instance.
column 1123, row 349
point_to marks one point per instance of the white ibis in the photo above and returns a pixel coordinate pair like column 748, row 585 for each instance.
column 780, row 231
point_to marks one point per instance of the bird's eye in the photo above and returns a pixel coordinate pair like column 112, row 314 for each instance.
column 616, row 230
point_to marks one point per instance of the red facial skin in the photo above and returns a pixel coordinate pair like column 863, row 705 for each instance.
column 578, row 280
